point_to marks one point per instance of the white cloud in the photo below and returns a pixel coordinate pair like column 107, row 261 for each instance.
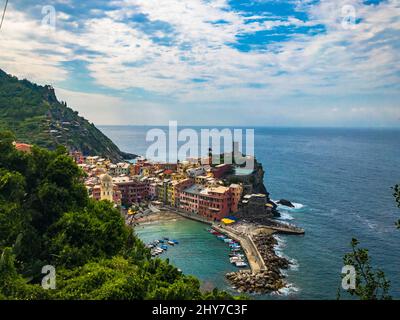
column 340, row 62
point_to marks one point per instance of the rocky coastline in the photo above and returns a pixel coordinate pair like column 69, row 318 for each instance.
column 265, row 281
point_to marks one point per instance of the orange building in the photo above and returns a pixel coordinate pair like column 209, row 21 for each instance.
column 24, row 147
column 211, row 203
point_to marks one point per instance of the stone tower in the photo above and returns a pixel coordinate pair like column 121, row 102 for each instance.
column 106, row 188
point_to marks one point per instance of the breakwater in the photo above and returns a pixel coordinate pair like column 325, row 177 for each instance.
column 258, row 244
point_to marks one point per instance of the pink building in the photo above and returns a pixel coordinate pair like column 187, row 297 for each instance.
column 236, row 192
column 78, row 157
column 153, row 190
column 210, row 203
column 132, row 191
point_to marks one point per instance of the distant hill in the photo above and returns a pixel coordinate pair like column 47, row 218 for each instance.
column 35, row 116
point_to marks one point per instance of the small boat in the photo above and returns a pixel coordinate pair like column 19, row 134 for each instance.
column 227, row 240
column 175, row 241
column 160, row 241
column 235, row 259
column 221, row 237
column 156, row 241
column 164, row 247
column 166, row 238
column 241, row 264
column 171, row 242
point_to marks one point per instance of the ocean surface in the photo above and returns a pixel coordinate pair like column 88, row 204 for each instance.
column 340, row 180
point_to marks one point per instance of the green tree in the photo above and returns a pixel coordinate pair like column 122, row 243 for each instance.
column 96, row 232
column 12, row 284
column 370, row 284
column 46, row 217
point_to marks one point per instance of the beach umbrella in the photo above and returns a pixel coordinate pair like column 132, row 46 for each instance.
column 228, row 221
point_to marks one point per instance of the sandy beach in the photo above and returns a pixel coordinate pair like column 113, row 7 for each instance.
column 157, row 217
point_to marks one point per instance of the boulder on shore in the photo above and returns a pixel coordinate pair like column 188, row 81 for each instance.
column 286, row 203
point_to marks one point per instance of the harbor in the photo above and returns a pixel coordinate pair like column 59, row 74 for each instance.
column 199, row 253
column 254, row 265
column 160, row 246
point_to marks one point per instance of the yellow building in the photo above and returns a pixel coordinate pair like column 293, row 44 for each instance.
column 106, row 188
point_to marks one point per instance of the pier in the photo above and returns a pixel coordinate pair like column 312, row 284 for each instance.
column 253, row 256
column 284, row 228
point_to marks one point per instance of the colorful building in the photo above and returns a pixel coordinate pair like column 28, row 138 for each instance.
column 106, row 190
column 211, row 203
column 132, row 190
column 78, row 157
column 177, row 187
column 24, row 147
column 236, row 192
column 162, row 191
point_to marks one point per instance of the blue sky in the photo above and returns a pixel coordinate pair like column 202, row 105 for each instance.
column 213, row 62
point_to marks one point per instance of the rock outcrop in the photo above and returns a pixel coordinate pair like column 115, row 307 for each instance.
column 286, row 203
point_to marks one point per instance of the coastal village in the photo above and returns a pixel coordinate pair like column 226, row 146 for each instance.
column 231, row 199
column 213, row 192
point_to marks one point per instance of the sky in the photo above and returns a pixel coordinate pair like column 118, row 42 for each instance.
column 212, row 62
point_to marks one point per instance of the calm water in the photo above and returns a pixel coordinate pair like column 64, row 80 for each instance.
column 340, row 180
column 198, row 253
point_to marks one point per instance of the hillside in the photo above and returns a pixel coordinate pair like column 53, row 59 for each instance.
column 35, row 115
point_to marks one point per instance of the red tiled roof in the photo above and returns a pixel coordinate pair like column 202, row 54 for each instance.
column 23, row 147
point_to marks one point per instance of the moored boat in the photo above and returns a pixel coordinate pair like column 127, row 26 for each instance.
column 241, row 264
column 235, row 259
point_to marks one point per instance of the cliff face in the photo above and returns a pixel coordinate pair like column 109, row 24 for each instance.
column 258, row 183
column 252, row 182
column 36, row 116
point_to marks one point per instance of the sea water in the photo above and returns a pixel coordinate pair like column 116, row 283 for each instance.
column 340, row 181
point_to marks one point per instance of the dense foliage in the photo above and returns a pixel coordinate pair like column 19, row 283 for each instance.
column 46, row 218
column 370, row 284
column 35, row 115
